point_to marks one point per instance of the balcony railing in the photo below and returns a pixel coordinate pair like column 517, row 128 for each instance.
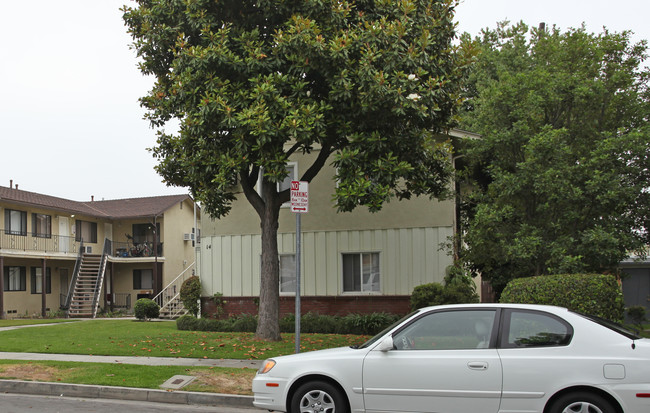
column 20, row 241
column 121, row 300
column 129, row 249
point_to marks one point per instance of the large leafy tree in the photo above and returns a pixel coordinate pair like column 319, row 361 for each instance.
column 367, row 83
column 561, row 171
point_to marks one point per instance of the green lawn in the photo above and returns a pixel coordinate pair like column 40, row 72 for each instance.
column 215, row 379
column 28, row 321
column 151, row 339
column 157, row 339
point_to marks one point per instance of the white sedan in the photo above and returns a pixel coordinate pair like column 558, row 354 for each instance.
column 470, row 358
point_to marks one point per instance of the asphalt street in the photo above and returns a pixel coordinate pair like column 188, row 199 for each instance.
column 18, row 403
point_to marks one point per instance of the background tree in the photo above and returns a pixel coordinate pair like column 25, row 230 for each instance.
column 253, row 83
column 561, row 171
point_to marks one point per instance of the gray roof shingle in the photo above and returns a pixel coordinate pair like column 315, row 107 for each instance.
column 110, row 209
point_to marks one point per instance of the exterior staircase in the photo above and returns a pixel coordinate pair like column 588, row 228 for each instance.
column 169, row 299
column 173, row 310
column 87, row 286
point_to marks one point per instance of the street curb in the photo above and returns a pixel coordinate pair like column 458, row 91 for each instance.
column 124, row 393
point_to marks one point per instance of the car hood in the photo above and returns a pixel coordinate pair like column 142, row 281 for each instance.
column 330, row 353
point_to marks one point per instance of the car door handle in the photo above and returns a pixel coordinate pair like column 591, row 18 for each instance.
column 478, row 365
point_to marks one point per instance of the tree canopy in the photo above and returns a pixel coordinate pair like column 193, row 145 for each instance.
column 561, row 172
column 367, row 83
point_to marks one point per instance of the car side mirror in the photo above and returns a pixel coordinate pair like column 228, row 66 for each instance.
column 386, row 344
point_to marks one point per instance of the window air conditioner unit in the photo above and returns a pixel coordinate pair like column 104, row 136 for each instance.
column 187, row 237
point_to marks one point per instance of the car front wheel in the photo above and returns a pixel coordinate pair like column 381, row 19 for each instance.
column 582, row 402
column 318, row 397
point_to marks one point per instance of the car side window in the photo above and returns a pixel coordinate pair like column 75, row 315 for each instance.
column 535, row 329
column 447, row 330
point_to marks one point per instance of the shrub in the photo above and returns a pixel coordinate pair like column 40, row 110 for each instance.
column 191, row 294
column 453, row 292
column 146, row 308
column 288, row 323
column 426, row 294
column 187, row 323
column 637, row 315
column 245, row 323
column 367, row 324
column 594, row 294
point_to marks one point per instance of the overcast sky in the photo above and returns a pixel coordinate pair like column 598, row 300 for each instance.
column 70, row 121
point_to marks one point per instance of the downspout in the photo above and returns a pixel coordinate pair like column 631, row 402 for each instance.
column 2, row 287
column 457, row 236
column 43, row 289
column 194, row 241
column 112, row 286
column 156, row 289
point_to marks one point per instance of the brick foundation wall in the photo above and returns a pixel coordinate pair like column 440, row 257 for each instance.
column 338, row 305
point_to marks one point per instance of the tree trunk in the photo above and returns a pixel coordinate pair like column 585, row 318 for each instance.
column 268, row 325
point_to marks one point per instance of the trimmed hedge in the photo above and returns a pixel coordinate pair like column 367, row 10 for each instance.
column 437, row 294
column 146, row 308
column 594, row 294
column 361, row 324
column 191, row 294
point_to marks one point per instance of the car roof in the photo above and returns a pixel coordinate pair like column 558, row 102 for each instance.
column 539, row 307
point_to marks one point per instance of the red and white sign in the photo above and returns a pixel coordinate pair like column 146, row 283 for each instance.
column 300, row 197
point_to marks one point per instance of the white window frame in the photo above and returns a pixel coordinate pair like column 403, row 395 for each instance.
column 373, row 274
column 279, row 187
column 288, row 267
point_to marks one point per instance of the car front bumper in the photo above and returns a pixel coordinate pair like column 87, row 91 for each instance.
column 270, row 393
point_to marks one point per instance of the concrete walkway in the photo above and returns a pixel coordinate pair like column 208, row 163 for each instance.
column 142, row 361
column 124, row 393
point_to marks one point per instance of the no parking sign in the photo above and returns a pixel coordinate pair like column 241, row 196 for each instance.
column 300, row 197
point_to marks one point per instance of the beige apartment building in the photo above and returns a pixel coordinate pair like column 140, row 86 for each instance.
column 351, row 262
column 86, row 257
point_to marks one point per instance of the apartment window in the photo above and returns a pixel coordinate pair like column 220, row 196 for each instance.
column 292, row 170
column 361, row 272
column 15, row 222
column 143, row 279
column 287, row 273
column 86, row 231
column 36, row 280
column 144, row 233
column 42, row 225
column 292, row 175
column 15, row 278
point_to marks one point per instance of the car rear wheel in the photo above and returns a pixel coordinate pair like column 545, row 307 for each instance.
column 582, row 402
column 318, row 397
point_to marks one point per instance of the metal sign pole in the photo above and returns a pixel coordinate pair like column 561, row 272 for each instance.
column 299, row 205
column 298, row 248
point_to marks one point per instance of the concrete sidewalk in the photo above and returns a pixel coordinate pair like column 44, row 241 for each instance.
column 143, row 361
column 125, row 393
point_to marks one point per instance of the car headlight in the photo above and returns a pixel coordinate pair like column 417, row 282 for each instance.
column 266, row 366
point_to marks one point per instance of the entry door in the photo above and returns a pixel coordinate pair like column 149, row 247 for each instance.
column 442, row 363
column 63, row 283
column 64, row 234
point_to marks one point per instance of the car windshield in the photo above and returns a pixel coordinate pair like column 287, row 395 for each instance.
column 384, row 331
column 620, row 329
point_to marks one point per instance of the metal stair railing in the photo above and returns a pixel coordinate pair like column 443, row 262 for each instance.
column 106, row 251
column 73, row 281
column 172, row 291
